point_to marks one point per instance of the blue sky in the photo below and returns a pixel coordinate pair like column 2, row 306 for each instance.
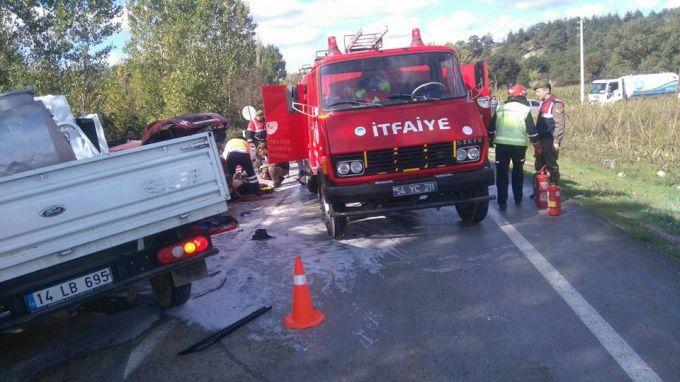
column 299, row 28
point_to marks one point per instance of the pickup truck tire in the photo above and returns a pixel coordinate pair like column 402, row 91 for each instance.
column 474, row 212
column 167, row 294
column 335, row 226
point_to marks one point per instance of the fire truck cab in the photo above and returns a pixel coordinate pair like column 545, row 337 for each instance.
column 385, row 130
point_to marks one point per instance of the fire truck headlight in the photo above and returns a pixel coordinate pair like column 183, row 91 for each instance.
column 473, row 153
column 461, row 155
column 357, row 167
column 343, row 168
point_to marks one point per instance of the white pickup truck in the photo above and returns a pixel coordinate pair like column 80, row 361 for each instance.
column 75, row 229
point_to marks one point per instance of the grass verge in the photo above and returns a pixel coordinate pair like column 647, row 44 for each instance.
column 632, row 196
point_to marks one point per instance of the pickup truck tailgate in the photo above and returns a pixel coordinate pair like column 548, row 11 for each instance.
column 62, row 212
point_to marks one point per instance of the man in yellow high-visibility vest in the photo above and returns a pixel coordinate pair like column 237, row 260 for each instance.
column 237, row 153
column 509, row 129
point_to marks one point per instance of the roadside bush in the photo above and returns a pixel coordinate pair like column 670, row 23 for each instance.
column 638, row 130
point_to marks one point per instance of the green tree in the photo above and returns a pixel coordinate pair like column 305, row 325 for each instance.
column 11, row 61
column 190, row 56
column 62, row 45
column 463, row 52
column 504, row 69
column 614, row 46
column 272, row 65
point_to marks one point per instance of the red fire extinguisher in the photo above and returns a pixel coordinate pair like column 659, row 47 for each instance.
column 554, row 204
column 541, row 188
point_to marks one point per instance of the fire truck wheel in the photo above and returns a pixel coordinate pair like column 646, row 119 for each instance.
column 312, row 184
column 476, row 211
column 334, row 225
column 167, row 294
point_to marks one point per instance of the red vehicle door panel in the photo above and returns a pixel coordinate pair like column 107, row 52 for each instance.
column 286, row 128
column 476, row 79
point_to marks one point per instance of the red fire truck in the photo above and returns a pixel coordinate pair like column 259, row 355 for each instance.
column 385, row 130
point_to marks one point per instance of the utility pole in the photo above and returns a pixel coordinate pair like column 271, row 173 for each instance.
column 582, row 69
column 258, row 53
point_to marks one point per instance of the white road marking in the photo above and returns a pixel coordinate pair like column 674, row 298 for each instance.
column 617, row 347
column 148, row 344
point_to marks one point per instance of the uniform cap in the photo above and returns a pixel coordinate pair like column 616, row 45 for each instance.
column 543, row 84
column 259, row 113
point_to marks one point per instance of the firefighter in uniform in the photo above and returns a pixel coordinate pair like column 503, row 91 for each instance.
column 374, row 87
column 237, row 153
column 508, row 129
column 550, row 127
column 256, row 129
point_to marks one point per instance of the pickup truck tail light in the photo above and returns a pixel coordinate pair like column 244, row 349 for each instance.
column 183, row 250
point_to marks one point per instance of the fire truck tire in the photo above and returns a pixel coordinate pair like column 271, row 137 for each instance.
column 335, row 226
column 312, row 184
column 167, row 294
column 474, row 212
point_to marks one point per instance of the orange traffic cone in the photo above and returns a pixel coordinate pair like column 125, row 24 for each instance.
column 303, row 315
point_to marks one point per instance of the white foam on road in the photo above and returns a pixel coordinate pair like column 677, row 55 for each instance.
column 617, row 347
column 148, row 344
column 258, row 273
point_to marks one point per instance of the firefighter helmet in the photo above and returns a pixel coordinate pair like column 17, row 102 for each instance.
column 517, row 91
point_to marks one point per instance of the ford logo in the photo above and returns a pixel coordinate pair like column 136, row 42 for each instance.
column 52, row 211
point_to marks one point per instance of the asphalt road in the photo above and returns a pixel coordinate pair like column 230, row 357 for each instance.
column 412, row 296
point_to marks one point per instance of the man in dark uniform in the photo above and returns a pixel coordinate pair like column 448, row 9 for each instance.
column 550, row 127
column 508, row 129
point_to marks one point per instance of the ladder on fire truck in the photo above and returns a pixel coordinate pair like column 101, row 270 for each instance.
column 304, row 70
column 364, row 41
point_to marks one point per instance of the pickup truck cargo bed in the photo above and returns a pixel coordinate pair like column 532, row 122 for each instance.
column 59, row 213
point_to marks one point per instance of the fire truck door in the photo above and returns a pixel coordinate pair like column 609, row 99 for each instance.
column 286, row 128
column 476, row 76
column 476, row 79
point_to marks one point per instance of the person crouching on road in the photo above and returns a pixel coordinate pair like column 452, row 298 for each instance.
column 237, row 153
column 508, row 129
column 550, row 126
column 276, row 172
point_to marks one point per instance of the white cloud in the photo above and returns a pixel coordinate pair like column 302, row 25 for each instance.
column 646, row 4
column 284, row 36
column 115, row 57
column 299, row 29
column 453, row 27
column 263, row 9
column 529, row 5
column 587, row 10
column 551, row 15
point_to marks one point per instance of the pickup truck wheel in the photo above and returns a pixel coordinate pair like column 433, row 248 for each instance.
column 335, row 226
column 167, row 294
column 476, row 211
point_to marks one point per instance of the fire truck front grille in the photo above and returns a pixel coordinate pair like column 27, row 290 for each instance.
column 411, row 158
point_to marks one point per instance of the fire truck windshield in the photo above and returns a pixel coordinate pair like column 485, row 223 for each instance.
column 390, row 80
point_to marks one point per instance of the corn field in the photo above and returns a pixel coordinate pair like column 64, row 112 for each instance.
column 640, row 130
